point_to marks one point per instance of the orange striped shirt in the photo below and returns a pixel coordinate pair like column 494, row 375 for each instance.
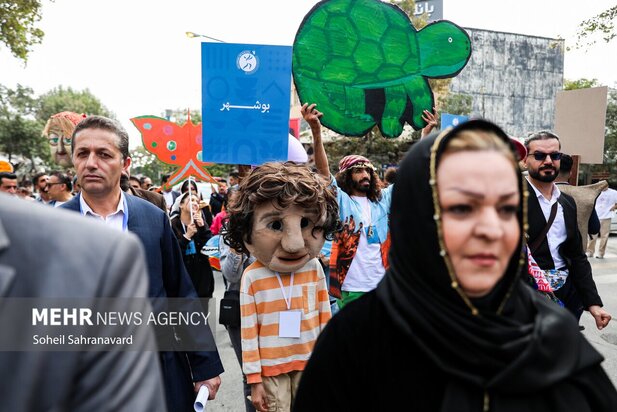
column 264, row 353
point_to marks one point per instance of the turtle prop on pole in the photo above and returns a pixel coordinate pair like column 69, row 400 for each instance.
column 364, row 64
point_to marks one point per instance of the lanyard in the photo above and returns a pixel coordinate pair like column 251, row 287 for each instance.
column 291, row 285
column 125, row 213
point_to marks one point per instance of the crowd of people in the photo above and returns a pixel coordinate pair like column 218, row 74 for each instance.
column 456, row 284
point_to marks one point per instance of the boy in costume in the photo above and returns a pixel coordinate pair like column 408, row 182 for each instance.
column 281, row 215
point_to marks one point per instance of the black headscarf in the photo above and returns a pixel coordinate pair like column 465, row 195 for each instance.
column 509, row 342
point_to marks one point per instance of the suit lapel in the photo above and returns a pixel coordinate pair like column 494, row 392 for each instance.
column 568, row 214
column 73, row 204
column 7, row 273
column 133, row 213
column 536, row 218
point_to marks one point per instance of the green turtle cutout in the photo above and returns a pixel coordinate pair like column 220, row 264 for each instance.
column 364, row 63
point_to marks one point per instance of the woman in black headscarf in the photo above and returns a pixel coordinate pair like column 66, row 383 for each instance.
column 452, row 327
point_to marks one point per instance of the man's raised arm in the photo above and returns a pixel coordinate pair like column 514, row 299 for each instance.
column 311, row 116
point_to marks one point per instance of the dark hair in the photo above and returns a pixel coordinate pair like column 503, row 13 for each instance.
column 104, row 123
column 185, row 186
column 541, row 135
column 345, row 183
column 285, row 184
column 36, row 177
column 390, row 175
column 164, row 179
column 64, row 179
column 135, row 178
column 235, row 175
column 566, row 164
column 7, row 175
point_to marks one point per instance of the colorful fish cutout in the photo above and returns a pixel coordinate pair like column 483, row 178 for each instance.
column 175, row 145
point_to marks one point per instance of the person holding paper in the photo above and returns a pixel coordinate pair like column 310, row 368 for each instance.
column 453, row 326
column 192, row 234
column 281, row 215
column 100, row 155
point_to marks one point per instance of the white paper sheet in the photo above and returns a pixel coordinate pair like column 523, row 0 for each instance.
column 290, row 324
column 202, row 399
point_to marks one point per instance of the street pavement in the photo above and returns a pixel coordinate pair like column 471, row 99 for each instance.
column 230, row 395
column 605, row 276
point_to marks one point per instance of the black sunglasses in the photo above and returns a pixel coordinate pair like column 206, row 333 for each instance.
column 539, row 156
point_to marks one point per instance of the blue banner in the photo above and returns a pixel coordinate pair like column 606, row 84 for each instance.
column 245, row 102
column 452, row 120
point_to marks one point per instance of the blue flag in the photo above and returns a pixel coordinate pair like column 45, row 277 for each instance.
column 452, row 120
column 245, row 102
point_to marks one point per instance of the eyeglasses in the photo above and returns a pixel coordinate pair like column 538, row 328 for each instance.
column 539, row 156
column 51, row 184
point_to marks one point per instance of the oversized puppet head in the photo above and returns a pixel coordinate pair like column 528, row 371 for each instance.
column 282, row 214
column 58, row 131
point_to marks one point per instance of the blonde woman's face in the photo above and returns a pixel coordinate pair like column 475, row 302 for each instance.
column 479, row 199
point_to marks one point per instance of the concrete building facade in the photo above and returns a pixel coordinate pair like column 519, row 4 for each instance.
column 513, row 79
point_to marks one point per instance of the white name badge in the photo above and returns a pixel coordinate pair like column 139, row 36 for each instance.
column 289, row 324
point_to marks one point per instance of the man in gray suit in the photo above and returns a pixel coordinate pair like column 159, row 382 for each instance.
column 50, row 253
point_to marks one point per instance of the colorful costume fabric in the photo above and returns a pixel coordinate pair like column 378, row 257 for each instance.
column 264, row 352
column 539, row 279
column 345, row 243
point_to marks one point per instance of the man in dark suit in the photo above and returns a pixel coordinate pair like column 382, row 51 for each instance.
column 48, row 253
column 560, row 248
column 218, row 198
column 100, row 155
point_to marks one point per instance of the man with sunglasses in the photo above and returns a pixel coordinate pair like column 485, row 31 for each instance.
column 59, row 188
column 553, row 236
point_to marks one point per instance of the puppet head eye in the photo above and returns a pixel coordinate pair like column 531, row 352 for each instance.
column 275, row 225
column 304, row 222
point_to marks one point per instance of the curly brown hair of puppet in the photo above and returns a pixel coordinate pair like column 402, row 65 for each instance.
column 344, row 181
column 284, row 184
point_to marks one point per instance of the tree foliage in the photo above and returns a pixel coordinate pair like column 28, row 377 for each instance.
column 18, row 21
column 579, row 84
column 380, row 150
column 456, row 103
column 610, row 138
column 602, row 24
column 179, row 116
column 23, row 117
column 145, row 163
column 20, row 133
column 60, row 99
